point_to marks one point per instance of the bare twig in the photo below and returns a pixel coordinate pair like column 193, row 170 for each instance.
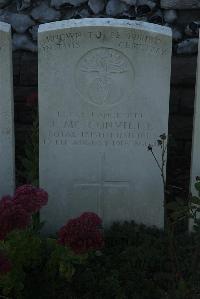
column 168, row 226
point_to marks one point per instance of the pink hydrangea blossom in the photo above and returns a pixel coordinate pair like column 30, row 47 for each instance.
column 32, row 199
column 12, row 216
column 82, row 234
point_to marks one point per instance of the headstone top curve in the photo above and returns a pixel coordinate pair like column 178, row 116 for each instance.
column 5, row 27
column 74, row 23
column 101, row 82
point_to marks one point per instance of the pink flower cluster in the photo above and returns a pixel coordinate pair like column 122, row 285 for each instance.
column 5, row 264
column 12, row 216
column 16, row 211
column 83, row 233
column 31, row 198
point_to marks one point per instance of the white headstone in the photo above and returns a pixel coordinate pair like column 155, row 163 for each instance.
column 195, row 161
column 7, row 169
column 104, row 89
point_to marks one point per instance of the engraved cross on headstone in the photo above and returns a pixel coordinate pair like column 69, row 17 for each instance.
column 100, row 187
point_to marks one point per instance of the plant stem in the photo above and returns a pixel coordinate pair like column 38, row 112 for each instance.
column 168, row 227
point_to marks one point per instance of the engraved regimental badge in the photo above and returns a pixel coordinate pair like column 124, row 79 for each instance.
column 104, row 76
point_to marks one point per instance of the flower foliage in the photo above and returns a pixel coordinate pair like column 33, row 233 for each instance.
column 5, row 264
column 82, row 234
column 32, row 199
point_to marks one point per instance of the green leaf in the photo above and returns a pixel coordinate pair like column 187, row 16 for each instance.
column 197, row 186
column 66, row 270
column 195, row 200
column 179, row 215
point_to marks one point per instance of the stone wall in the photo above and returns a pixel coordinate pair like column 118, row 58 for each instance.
column 183, row 16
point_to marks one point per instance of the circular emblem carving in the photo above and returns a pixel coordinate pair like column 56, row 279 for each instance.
column 104, row 76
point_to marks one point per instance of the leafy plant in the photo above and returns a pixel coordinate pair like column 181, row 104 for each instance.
column 24, row 251
column 63, row 260
column 26, row 254
column 176, row 211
